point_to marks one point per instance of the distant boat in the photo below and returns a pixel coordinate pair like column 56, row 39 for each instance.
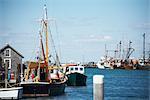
column 117, row 62
column 100, row 64
column 76, row 76
column 103, row 63
column 44, row 77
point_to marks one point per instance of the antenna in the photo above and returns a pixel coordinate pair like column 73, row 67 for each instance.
column 45, row 13
column 144, row 48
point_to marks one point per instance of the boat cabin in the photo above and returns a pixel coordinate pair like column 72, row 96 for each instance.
column 75, row 69
column 36, row 73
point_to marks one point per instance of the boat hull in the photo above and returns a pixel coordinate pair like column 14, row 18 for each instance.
column 100, row 66
column 42, row 89
column 11, row 93
column 76, row 79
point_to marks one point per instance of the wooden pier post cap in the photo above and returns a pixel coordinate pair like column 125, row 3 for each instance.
column 98, row 79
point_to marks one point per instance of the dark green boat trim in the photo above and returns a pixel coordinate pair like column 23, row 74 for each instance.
column 76, row 79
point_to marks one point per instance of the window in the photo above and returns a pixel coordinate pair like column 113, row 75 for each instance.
column 7, row 52
column 7, row 63
column 81, row 69
column 67, row 69
column 102, row 63
column 52, row 71
column 71, row 69
column 76, row 68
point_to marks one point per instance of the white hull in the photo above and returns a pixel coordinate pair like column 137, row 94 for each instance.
column 11, row 93
column 101, row 67
column 104, row 66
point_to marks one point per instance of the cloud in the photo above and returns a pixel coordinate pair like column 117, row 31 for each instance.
column 94, row 38
column 145, row 26
column 3, row 34
column 5, row 28
column 80, row 21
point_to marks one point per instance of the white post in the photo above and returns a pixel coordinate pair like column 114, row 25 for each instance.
column 98, row 87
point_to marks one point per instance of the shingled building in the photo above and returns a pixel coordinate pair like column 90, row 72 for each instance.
column 13, row 59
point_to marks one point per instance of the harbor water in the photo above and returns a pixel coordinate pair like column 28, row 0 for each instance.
column 118, row 85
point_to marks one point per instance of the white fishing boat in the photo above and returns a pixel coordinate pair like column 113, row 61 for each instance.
column 104, row 63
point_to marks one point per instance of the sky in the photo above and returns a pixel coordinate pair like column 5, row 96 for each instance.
column 80, row 28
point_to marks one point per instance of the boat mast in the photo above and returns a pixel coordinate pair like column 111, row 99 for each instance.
column 45, row 20
column 120, row 49
column 46, row 31
column 106, row 52
column 149, row 53
column 144, row 48
column 116, row 52
column 130, row 51
column 42, row 47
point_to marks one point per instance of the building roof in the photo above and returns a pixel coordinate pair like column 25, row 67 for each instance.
column 8, row 46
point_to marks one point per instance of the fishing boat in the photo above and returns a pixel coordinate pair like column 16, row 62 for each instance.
column 104, row 63
column 44, row 77
column 75, row 74
column 10, row 92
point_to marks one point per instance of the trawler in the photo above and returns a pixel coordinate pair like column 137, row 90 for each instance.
column 44, row 77
column 76, row 75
